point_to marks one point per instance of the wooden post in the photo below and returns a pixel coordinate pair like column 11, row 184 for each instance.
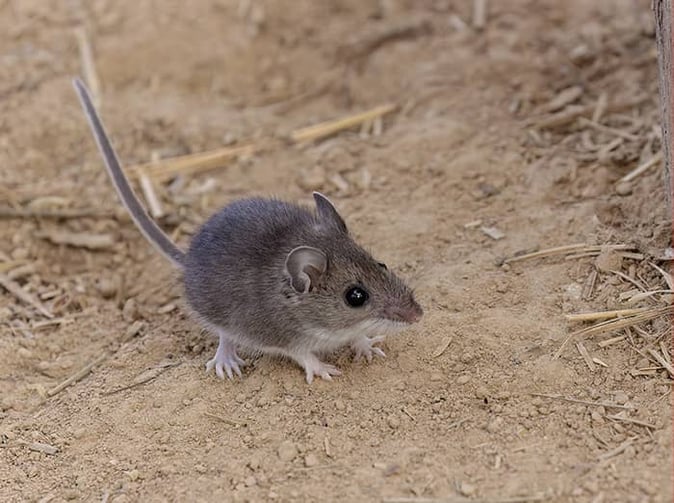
column 663, row 32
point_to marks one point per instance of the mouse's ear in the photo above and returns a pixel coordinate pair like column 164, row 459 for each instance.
column 305, row 266
column 328, row 213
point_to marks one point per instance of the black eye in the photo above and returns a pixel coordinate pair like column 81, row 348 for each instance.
column 381, row 264
column 356, row 296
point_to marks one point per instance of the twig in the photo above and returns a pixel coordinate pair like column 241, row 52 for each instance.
column 642, row 168
column 615, row 324
column 667, row 276
column 329, row 128
column 77, row 376
column 662, row 361
column 586, row 356
column 78, row 239
column 584, row 402
column 144, row 378
column 630, row 420
column 18, row 292
column 606, row 129
column 561, row 250
column 479, row 14
column 571, row 113
column 602, row 315
column 150, row 195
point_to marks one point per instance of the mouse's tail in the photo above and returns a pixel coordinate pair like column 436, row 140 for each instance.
column 147, row 226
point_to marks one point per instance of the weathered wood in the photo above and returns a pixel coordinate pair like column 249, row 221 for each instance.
column 662, row 10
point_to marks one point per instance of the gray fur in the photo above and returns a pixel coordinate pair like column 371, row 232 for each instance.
column 235, row 277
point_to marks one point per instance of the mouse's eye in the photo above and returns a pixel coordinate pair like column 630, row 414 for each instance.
column 382, row 265
column 356, row 296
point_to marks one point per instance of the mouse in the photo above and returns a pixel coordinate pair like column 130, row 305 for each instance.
column 272, row 277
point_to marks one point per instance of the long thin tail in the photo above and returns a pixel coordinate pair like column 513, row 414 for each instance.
column 147, row 226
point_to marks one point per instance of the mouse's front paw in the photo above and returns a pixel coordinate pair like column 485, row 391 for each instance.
column 313, row 367
column 225, row 361
column 365, row 347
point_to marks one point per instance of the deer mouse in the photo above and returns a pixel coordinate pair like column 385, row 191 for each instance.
column 272, row 277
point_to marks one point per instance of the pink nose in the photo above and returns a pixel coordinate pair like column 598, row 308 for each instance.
column 410, row 313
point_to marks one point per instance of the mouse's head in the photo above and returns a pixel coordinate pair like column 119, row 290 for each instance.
column 343, row 286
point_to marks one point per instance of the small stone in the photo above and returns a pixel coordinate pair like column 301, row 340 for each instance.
column 462, row 379
column 287, row 451
column 107, row 288
column 71, row 494
column 200, row 468
column 250, row 481
column 272, row 495
column 467, row 489
column 24, row 353
column 340, row 405
column 620, row 397
column 623, row 189
column 310, row 460
column 608, row 260
column 393, row 422
column 133, row 475
column 596, row 416
column 436, row 377
column 495, row 425
column 130, row 310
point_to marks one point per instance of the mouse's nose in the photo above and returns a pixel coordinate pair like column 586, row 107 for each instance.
column 410, row 312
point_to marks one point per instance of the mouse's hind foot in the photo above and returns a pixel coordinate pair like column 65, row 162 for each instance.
column 364, row 347
column 225, row 361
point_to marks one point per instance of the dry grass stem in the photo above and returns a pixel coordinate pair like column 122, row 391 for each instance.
column 479, row 14
column 662, row 361
column 79, row 375
column 603, row 315
column 88, row 65
column 586, row 356
column 584, row 402
column 78, row 239
column 642, row 168
column 328, row 128
column 18, row 292
column 567, row 249
column 150, row 195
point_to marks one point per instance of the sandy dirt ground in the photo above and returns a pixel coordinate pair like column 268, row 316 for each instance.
column 506, row 139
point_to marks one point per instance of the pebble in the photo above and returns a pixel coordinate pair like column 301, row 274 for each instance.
column 24, row 353
column 250, row 481
column 310, row 460
column 340, row 405
column 495, row 425
column 623, row 189
column 462, row 379
column 133, row 475
column 130, row 310
column 393, row 422
column 287, row 451
column 436, row 377
column 107, row 288
column 467, row 489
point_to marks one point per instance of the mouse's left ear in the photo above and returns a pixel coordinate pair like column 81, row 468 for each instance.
column 305, row 265
column 328, row 213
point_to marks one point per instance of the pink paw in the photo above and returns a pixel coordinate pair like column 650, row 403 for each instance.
column 225, row 361
column 364, row 347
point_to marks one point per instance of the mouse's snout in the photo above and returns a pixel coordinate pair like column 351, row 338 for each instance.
column 409, row 312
